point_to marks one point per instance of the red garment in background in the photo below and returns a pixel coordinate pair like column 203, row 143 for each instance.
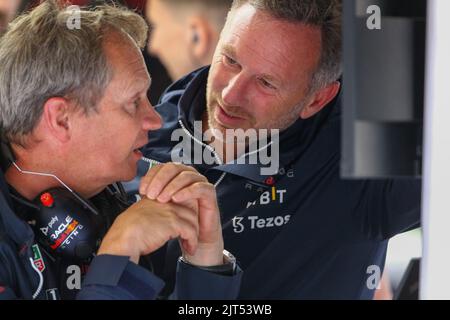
column 136, row 4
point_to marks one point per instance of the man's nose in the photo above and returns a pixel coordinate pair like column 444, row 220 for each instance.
column 234, row 92
column 152, row 119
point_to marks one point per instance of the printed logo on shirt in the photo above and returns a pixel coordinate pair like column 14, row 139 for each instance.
column 254, row 222
column 268, row 197
column 37, row 258
column 269, row 181
column 65, row 233
column 250, row 186
column 44, row 230
column 289, row 172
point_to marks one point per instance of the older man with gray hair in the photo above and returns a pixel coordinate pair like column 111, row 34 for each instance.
column 73, row 115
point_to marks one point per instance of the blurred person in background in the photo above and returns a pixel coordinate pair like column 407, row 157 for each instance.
column 184, row 34
column 8, row 10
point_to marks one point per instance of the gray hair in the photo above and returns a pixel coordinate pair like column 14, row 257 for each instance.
column 41, row 57
column 325, row 14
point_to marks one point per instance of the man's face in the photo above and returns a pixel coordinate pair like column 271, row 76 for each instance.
column 261, row 71
column 106, row 142
column 169, row 39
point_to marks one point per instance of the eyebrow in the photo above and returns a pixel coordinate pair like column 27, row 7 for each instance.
column 141, row 89
column 229, row 49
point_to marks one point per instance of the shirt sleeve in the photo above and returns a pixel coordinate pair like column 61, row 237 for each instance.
column 387, row 208
column 117, row 278
column 196, row 284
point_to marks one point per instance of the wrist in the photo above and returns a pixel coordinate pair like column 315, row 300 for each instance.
column 228, row 265
column 118, row 247
column 205, row 256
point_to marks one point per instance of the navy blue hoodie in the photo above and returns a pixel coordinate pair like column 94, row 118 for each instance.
column 303, row 233
column 28, row 272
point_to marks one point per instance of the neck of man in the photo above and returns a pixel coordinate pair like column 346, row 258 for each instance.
column 31, row 185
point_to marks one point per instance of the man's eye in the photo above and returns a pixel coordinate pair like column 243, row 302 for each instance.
column 267, row 84
column 229, row 61
column 132, row 108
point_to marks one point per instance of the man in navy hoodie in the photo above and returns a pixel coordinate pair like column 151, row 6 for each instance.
column 299, row 231
column 74, row 112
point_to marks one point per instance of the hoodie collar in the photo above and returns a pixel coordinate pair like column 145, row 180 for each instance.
column 192, row 104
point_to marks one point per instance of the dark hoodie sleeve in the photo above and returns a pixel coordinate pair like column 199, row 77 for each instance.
column 113, row 278
column 117, row 278
column 386, row 209
column 196, row 284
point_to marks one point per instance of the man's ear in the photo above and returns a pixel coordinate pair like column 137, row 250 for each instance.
column 201, row 39
column 320, row 99
column 56, row 117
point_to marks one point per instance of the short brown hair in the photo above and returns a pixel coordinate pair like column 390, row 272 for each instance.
column 325, row 14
